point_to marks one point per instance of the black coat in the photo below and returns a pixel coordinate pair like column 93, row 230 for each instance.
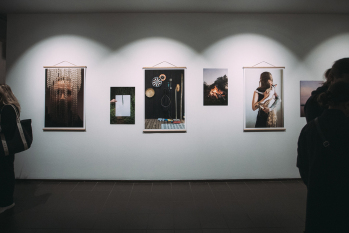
column 8, row 121
column 325, row 171
column 311, row 108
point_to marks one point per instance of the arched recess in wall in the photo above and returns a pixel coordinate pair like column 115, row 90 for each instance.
column 325, row 53
column 27, row 70
column 152, row 50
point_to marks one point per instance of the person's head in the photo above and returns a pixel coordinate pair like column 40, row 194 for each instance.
column 339, row 70
column 266, row 80
column 7, row 96
column 336, row 97
column 328, row 78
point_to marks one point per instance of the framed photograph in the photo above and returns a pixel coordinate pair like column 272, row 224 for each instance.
column 164, row 105
column 306, row 88
column 64, row 98
column 215, row 87
column 263, row 99
column 122, row 105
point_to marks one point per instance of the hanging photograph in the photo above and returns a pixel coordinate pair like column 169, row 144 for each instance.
column 215, row 87
column 263, row 99
column 64, row 99
column 164, row 100
column 306, row 88
column 122, row 105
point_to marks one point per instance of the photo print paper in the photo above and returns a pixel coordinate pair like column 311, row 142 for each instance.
column 122, row 105
column 64, row 99
column 306, row 88
column 164, row 100
column 263, row 95
column 215, row 87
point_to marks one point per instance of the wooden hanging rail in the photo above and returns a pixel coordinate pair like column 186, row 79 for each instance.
column 156, row 67
column 63, row 129
column 159, row 68
column 73, row 65
column 265, row 67
column 65, row 67
column 263, row 129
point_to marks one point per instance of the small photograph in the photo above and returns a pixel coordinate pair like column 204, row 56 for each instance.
column 215, row 87
column 122, row 105
column 306, row 88
column 164, row 104
column 64, row 99
column 264, row 110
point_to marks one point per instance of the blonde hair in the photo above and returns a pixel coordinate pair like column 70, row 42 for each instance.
column 7, row 96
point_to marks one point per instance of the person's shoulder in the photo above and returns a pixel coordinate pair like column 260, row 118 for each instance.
column 8, row 109
column 309, row 128
column 319, row 90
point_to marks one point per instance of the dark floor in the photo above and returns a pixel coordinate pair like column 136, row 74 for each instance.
column 158, row 207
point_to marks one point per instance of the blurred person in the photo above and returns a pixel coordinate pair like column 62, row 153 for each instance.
column 339, row 70
column 8, row 127
column 323, row 162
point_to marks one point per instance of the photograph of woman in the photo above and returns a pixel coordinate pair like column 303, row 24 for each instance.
column 266, row 112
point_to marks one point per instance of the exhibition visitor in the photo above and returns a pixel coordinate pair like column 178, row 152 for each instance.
column 8, row 127
column 323, row 162
column 339, row 70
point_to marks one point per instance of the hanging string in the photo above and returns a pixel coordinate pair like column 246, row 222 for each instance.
column 264, row 62
column 65, row 61
column 163, row 62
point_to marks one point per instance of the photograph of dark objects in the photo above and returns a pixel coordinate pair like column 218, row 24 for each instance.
column 215, row 87
column 165, row 106
column 122, row 105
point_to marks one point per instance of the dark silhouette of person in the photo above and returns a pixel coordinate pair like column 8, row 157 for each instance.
column 339, row 70
column 323, row 162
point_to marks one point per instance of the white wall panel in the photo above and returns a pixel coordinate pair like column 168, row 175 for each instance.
column 115, row 47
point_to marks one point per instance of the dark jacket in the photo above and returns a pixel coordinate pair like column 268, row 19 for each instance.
column 8, row 121
column 325, row 171
column 311, row 108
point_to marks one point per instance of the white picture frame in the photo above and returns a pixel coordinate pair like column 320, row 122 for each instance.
column 161, row 107
column 252, row 118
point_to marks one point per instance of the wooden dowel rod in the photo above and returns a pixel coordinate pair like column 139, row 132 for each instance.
column 65, row 67
column 262, row 67
column 164, row 131
column 159, row 68
column 264, row 129
column 63, row 129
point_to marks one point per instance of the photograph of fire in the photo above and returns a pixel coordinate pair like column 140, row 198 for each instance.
column 306, row 88
column 215, row 87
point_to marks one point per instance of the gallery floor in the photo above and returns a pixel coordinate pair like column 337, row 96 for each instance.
column 159, row 207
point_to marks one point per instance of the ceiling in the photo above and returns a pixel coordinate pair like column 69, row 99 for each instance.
column 185, row 6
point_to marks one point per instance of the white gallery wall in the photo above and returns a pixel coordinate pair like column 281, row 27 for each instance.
column 115, row 47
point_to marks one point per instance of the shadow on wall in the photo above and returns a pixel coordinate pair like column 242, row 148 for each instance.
column 198, row 31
